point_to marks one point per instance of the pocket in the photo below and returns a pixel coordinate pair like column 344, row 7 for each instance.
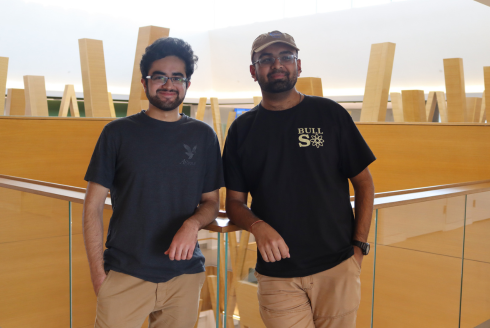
column 104, row 282
column 358, row 267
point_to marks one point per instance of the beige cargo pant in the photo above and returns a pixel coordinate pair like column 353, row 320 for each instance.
column 327, row 299
column 125, row 301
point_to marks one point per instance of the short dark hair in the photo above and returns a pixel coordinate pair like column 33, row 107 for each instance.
column 164, row 47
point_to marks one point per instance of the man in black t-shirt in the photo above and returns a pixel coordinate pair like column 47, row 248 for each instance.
column 295, row 155
column 158, row 165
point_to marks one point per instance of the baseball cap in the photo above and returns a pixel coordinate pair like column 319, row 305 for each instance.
column 266, row 39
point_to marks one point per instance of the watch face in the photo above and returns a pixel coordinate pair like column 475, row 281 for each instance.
column 366, row 252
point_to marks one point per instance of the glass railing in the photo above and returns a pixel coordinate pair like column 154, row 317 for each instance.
column 429, row 264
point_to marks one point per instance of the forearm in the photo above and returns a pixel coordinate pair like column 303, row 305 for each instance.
column 364, row 200
column 240, row 214
column 93, row 236
column 204, row 215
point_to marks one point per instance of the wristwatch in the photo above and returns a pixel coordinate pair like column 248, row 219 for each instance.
column 363, row 246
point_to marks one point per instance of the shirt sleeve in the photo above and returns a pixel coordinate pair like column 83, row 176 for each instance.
column 213, row 178
column 102, row 165
column 234, row 177
column 355, row 154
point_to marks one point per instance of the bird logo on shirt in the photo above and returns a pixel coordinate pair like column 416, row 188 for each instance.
column 190, row 152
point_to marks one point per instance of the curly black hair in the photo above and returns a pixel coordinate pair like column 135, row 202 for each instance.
column 164, row 47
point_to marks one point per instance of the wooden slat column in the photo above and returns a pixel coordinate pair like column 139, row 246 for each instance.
column 311, row 86
column 94, row 78
column 146, row 36
column 455, row 90
column 397, row 106
column 486, row 77
column 378, row 82
column 35, row 95
column 69, row 101
column 413, row 106
column 4, row 64
column 16, row 102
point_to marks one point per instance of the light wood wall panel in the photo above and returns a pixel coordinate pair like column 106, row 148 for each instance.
column 257, row 100
column 311, row 86
column 146, row 36
column 413, row 106
column 69, row 101
column 473, row 109
column 94, row 78
column 378, row 82
column 35, row 94
column 486, row 77
column 397, row 106
column 4, row 64
column 16, row 102
column 432, row 153
column 455, row 89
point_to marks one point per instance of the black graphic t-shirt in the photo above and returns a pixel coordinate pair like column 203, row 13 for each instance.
column 296, row 164
column 157, row 172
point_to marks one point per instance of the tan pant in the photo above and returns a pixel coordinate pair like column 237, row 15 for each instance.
column 125, row 301
column 328, row 299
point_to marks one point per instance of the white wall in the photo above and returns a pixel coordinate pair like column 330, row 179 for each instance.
column 42, row 40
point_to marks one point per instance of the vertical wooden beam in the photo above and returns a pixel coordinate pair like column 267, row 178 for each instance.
column 397, row 106
column 35, row 93
column 442, row 106
column 231, row 118
column 4, row 64
column 378, row 82
column 181, row 108
column 311, row 86
column 16, row 102
column 217, row 119
column 112, row 109
column 146, row 36
column 455, row 89
column 413, row 106
column 69, row 101
column 483, row 112
column 201, row 108
column 486, row 78
column 473, row 107
column 257, row 100
column 94, row 78
column 430, row 106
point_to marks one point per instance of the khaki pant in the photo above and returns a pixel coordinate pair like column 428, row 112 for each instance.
column 125, row 301
column 328, row 299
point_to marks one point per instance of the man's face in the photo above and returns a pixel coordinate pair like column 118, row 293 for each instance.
column 277, row 77
column 169, row 95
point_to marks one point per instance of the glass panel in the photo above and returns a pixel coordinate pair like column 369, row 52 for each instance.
column 364, row 312
column 418, row 264
column 475, row 303
column 84, row 300
column 34, row 271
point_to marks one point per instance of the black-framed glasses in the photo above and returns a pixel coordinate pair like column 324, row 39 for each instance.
column 284, row 59
column 162, row 79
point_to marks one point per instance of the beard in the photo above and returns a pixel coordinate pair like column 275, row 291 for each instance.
column 165, row 105
column 278, row 86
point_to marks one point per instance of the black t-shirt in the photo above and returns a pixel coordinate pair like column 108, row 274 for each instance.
column 296, row 164
column 157, row 172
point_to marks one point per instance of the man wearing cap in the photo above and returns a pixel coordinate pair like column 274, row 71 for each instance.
column 295, row 154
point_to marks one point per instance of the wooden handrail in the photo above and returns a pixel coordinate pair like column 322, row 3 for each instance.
column 222, row 224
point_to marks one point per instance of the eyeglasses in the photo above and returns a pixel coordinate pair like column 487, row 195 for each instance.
column 162, row 79
column 284, row 59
